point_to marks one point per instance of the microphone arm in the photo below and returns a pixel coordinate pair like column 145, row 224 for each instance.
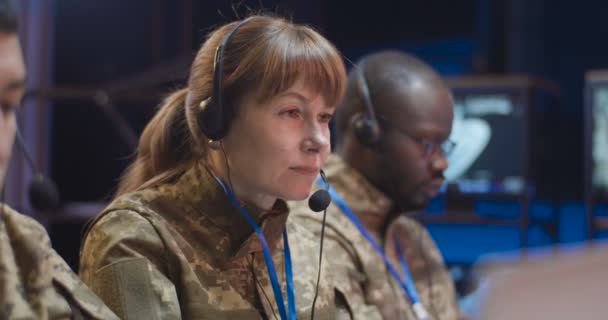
column 28, row 157
column 102, row 100
column 42, row 192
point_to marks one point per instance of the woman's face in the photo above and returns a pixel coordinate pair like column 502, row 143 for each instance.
column 276, row 148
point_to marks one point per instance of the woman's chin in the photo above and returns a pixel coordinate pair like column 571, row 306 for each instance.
column 295, row 194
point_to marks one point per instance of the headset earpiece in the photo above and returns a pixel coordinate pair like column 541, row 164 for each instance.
column 211, row 121
column 365, row 125
column 214, row 118
column 366, row 131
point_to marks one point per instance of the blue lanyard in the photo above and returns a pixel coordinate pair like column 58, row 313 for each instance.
column 407, row 285
column 406, row 271
column 276, row 287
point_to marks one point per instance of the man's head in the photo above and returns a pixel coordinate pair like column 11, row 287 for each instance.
column 414, row 112
column 12, row 82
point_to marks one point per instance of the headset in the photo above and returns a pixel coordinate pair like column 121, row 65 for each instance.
column 213, row 120
column 365, row 125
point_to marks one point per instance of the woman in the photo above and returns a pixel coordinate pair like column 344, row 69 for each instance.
column 216, row 163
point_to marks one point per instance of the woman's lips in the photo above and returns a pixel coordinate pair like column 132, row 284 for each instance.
column 306, row 170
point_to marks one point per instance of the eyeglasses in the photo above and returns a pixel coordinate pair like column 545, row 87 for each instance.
column 429, row 147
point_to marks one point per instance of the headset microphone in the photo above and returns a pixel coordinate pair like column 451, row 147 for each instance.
column 320, row 200
column 42, row 192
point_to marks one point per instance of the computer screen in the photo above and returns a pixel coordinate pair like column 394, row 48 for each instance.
column 489, row 132
column 598, row 96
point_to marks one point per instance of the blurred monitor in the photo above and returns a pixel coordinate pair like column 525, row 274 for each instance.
column 487, row 127
column 503, row 127
column 596, row 109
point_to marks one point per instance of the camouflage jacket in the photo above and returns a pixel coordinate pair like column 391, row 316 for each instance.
column 35, row 282
column 183, row 250
column 371, row 291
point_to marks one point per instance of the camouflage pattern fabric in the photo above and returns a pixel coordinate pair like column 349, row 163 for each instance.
column 35, row 282
column 184, row 251
column 358, row 270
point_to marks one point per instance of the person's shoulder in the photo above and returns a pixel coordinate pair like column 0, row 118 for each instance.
column 138, row 201
column 13, row 215
column 407, row 226
column 121, row 223
column 22, row 223
column 409, row 230
column 119, row 219
column 128, row 217
column 406, row 221
column 43, row 264
column 127, row 211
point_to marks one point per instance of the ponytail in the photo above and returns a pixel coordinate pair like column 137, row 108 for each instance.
column 165, row 148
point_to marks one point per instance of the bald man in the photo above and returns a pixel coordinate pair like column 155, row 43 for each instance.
column 392, row 142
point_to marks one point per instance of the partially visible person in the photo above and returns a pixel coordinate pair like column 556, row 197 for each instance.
column 392, row 139
column 35, row 282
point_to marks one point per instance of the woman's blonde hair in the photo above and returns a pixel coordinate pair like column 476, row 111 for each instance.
column 265, row 56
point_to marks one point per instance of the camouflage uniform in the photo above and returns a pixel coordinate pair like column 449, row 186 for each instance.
column 35, row 282
column 359, row 271
column 183, row 250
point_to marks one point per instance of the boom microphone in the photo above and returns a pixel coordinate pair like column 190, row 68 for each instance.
column 43, row 194
column 319, row 200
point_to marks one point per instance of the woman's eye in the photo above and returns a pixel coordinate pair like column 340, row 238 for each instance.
column 292, row 113
column 326, row 117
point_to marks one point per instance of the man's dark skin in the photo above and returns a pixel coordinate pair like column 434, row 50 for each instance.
column 413, row 105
